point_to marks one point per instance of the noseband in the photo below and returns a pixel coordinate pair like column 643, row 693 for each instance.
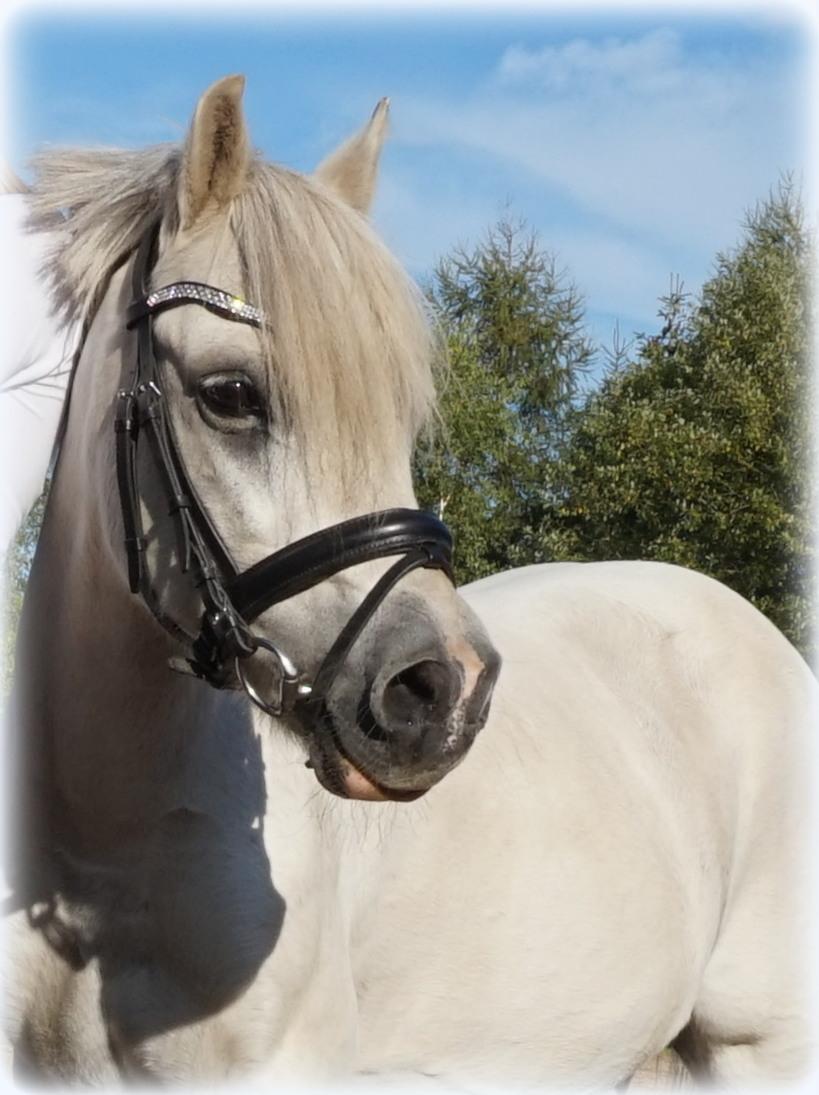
column 231, row 599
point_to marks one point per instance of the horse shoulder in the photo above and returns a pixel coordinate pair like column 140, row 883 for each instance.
column 678, row 689
column 635, row 613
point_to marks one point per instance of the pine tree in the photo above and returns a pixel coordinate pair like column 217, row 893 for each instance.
column 517, row 353
column 698, row 450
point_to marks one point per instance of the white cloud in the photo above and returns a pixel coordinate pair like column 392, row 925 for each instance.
column 645, row 64
column 678, row 166
column 634, row 158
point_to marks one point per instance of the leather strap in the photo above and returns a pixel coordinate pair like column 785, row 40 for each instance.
column 337, row 654
column 311, row 560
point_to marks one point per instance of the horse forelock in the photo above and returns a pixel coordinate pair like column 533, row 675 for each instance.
column 348, row 336
column 348, row 332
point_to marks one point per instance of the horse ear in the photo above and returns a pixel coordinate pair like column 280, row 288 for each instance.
column 351, row 170
column 217, row 151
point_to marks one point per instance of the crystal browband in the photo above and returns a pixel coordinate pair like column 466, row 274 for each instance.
column 196, row 292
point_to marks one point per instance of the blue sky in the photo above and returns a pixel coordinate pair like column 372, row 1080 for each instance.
column 631, row 140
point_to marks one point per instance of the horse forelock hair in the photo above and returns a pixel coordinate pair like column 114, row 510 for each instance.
column 348, row 336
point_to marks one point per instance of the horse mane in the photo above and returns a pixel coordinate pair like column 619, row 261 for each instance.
column 9, row 182
column 349, row 339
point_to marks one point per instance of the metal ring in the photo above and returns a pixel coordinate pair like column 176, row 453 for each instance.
column 288, row 685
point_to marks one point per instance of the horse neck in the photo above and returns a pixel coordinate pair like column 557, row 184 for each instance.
column 116, row 741
column 122, row 741
column 99, row 705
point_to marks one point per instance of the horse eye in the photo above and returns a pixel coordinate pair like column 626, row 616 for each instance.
column 232, row 397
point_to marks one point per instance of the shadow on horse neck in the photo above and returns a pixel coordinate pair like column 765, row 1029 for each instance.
column 140, row 815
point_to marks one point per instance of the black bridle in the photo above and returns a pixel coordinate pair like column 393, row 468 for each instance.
column 232, row 600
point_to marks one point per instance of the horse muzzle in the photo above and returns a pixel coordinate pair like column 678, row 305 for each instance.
column 411, row 724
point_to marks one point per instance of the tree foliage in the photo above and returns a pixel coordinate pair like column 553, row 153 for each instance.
column 516, row 354
column 698, row 450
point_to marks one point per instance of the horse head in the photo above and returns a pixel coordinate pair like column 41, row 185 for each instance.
column 283, row 373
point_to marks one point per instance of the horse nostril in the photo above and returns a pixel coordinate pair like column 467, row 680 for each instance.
column 427, row 690
column 425, row 680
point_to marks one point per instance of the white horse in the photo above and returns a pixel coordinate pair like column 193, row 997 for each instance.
column 618, row 863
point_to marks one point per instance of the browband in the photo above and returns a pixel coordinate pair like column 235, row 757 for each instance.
column 193, row 292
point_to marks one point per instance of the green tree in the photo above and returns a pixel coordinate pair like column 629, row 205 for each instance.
column 697, row 451
column 516, row 353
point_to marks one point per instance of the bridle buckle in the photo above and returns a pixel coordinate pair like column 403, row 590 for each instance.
column 288, row 689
